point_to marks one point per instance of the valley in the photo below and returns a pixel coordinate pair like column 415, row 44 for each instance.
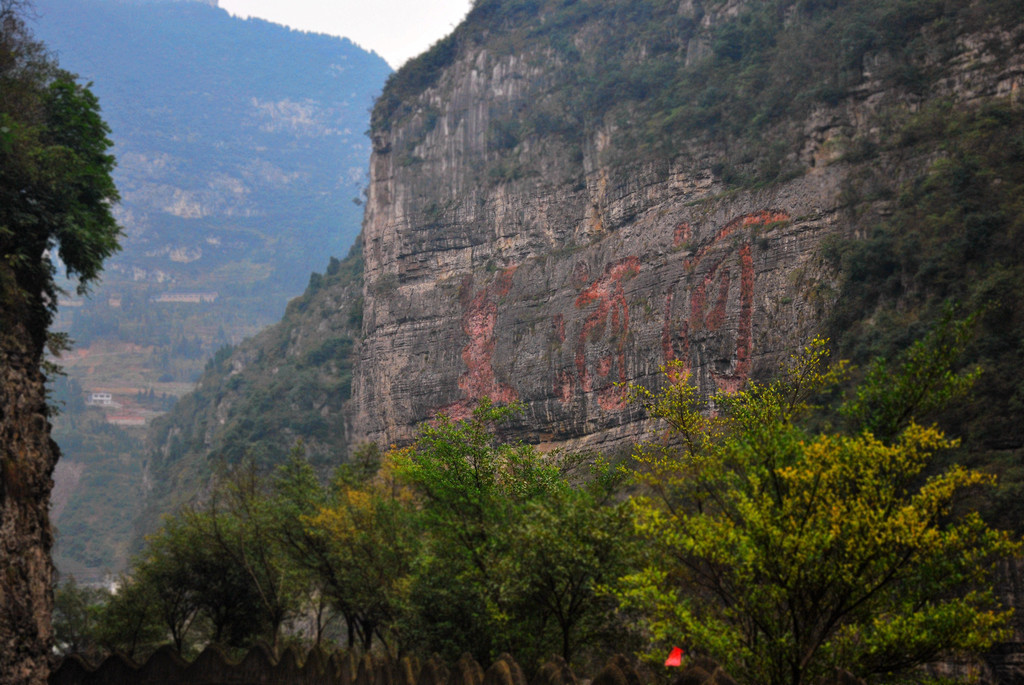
column 632, row 324
column 240, row 153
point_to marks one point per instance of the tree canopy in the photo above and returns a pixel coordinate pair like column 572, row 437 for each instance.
column 56, row 190
column 516, row 553
column 785, row 552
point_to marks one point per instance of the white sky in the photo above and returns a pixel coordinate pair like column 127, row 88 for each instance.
column 394, row 29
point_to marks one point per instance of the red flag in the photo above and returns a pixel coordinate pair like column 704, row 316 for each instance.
column 675, row 657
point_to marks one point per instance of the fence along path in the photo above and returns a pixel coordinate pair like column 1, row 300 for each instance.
column 259, row 667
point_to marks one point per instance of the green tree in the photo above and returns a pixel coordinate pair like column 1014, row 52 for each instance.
column 355, row 538
column 76, row 616
column 56, row 189
column 217, row 572
column 513, row 554
column 562, row 551
column 370, row 540
column 471, row 486
column 240, row 526
column 199, row 590
column 298, row 496
column 784, row 553
column 164, row 573
column 130, row 620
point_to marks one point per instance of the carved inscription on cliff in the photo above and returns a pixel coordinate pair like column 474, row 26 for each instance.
column 611, row 333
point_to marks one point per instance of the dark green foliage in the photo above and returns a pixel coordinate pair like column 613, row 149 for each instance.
column 56, row 189
column 513, row 555
column 83, row 191
column 338, row 350
column 129, row 621
column 76, row 617
column 956, row 235
column 56, row 195
column 920, row 386
column 217, row 572
column 220, row 357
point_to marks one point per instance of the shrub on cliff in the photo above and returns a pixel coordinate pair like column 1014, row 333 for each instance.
column 55, row 197
column 56, row 189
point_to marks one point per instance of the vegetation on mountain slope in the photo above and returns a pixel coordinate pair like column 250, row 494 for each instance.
column 737, row 74
column 255, row 401
column 954, row 236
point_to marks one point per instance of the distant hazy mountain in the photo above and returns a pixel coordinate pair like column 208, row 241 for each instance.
column 241, row 146
column 237, row 140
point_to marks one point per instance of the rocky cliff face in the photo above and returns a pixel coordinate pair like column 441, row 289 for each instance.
column 27, row 458
column 566, row 196
column 552, row 269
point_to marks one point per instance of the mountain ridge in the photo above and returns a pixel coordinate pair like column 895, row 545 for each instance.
column 550, row 215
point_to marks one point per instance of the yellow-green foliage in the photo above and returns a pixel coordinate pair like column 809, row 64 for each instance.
column 785, row 553
column 368, row 547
